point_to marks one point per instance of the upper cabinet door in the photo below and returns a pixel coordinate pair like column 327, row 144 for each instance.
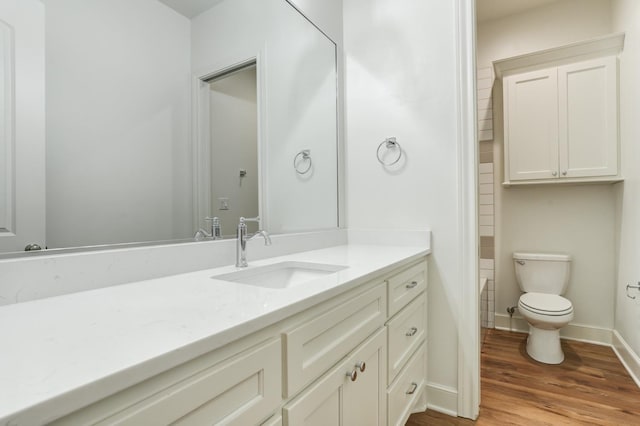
column 22, row 132
column 531, row 125
column 588, row 127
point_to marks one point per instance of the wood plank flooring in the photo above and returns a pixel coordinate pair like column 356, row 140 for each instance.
column 591, row 387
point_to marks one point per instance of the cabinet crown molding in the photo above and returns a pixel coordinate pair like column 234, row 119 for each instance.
column 596, row 47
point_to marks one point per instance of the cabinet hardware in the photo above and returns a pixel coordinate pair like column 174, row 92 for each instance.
column 412, row 331
column 361, row 366
column 414, row 386
column 554, row 174
column 353, row 375
column 412, row 285
column 564, row 173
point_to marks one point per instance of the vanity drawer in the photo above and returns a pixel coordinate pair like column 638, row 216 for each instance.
column 405, row 286
column 318, row 343
column 243, row 390
column 407, row 331
column 403, row 393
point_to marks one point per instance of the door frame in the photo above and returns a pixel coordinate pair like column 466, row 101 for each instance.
column 201, row 136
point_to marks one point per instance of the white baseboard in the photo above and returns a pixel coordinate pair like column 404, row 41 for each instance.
column 579, row 332
column 442, row 399
column 630, row 360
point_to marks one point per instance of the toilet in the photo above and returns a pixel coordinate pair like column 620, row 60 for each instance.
column 544, row 278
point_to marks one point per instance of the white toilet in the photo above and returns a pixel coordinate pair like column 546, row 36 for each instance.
column 543, row 278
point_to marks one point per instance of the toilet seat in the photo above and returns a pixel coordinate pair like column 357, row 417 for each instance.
column 545, row 304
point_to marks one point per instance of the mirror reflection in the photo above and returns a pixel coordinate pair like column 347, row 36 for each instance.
column 233, row 116
column 160, row 114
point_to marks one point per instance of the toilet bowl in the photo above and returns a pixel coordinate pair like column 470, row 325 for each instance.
column 543, row 278
column 546, row 315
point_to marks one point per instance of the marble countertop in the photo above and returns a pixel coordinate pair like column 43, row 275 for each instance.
column 62, row 353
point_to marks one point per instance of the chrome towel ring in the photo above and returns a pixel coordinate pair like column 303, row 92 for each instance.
column 300, row 159
column 389, row 144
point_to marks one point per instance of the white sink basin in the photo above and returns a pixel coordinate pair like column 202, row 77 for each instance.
column 281, row 275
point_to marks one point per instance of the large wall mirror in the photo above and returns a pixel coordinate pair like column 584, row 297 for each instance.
column 135, row 120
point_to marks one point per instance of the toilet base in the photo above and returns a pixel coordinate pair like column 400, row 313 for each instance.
column 544, row 345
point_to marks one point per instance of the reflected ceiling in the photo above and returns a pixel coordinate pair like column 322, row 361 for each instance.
column 190, row 8
column 493, row 9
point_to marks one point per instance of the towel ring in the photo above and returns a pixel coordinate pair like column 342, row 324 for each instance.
column 389, row 143
column 304, row 155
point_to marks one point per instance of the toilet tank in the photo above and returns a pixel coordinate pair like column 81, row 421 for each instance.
column 542, row 273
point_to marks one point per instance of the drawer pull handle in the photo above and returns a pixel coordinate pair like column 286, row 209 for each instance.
column 412, row 331
column 353, row 375
column 412, row 285
column 414, row 386
column 361, row 366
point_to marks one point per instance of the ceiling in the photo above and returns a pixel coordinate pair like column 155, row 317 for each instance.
column 190, row 8
column 493, row 9
column 485, row 9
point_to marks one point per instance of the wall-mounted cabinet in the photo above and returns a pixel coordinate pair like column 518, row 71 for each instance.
column 561, row 114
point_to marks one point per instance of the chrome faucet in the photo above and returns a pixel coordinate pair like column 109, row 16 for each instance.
column 215, row 233
column 241, row 242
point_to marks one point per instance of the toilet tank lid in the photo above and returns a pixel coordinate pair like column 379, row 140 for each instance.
column 542, row 256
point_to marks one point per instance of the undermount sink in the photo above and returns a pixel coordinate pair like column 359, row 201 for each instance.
column 281, row 275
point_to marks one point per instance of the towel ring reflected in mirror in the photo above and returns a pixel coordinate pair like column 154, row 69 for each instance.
column 389, row 144
column 299, row 161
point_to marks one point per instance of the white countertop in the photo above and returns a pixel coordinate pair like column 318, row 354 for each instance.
column 62, row 353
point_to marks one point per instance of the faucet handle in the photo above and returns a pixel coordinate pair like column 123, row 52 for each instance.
column 249, row 219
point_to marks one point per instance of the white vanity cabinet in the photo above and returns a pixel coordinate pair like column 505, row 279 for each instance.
column 561, row 116
column 352, row 393
column 342, row 361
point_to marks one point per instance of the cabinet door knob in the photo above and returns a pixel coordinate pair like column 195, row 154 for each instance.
column 353, row 375
column 412, row 331
column 564, row 173
column 361, row 366
column 414, row 386
column 412, row 284
column 554, row 173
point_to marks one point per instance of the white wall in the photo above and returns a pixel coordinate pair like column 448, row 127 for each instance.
column 118, row 122
column 553, row 25
column 326, row 14
column 234, row 146
column 400, row 81
column 297, row 80
column 579, row 220
column 626, row 17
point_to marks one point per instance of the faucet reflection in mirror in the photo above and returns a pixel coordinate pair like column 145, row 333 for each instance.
column 241, row 242
column 214, row 234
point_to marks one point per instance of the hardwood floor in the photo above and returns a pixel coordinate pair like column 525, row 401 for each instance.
column 591, row 387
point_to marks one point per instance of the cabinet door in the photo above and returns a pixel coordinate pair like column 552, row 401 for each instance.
column 337, row 400
column 531, row 125
column 587, row 100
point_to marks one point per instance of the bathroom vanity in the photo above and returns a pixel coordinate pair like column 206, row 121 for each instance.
column 348, row 345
